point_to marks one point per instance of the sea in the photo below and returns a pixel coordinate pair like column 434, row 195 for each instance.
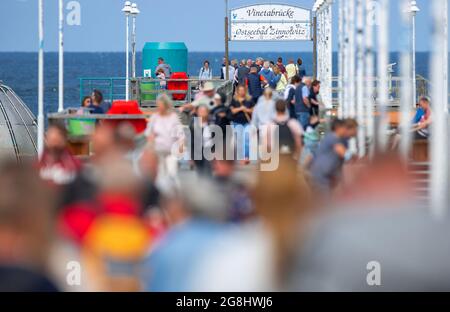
column 19, row 70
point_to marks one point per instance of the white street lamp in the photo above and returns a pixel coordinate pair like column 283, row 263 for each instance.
column 414, row 9
column 61, row 58
column 134, row 13
column 127, row 10
column 41, row 125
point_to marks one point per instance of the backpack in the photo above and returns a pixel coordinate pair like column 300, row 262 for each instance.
column 286, row 138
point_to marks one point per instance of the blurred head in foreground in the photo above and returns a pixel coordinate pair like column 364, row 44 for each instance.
column 282, row 200
column 26, row 228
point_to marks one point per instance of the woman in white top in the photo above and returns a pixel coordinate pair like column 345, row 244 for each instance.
column 205, row 72
column 165, row 134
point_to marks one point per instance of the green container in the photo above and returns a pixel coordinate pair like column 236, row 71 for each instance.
column 146, row 87
column 174, row 53
column 81, row 127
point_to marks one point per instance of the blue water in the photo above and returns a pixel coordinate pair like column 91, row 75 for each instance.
column 19, row 70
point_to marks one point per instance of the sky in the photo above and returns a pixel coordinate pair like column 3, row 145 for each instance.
column 198, row 23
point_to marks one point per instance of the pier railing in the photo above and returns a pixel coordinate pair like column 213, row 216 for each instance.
column 146, row 90
column 395, row 86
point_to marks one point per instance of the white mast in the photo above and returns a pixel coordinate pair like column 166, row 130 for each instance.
column 61, row 57
column 439, row 126
column 414, row 9
column 341, row 59
column 346, row 59
column 360, row 78
column 406, row 95
column 41, row 124
column 134, row 12
column 351, row 58
column 383, row 84
column 369, row 64
column 127, row 10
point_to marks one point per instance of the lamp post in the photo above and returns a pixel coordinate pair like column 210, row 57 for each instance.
column 40, row 136
column 134, row 13
column 127, row 10
column 414, row 9
column 61, row 58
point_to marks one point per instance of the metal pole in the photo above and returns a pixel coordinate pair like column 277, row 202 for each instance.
column 61, row 57
column 360, row 78
column 41, row 79
column 227, row 52
column 346, row 103
column 414, row 10
column 370, row 73
column 439, row 126
column 341, row 58
column 133, row 49
column 127, row 81
column 315, row 46
column 351, row 56
column 406, row 93
column 330, row 54
column 383, row 84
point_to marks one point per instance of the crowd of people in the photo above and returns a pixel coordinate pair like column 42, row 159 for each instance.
column 131, row 219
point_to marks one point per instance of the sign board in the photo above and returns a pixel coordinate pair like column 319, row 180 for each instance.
column 270, row 22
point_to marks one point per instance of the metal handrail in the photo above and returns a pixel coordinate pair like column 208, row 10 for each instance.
column 423, row 87
column 113, row 88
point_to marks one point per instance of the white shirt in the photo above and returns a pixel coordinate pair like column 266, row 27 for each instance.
column 167, row 131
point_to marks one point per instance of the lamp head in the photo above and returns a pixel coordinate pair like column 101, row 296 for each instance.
column 414, row 9
column 127, row 8
column 134, row 9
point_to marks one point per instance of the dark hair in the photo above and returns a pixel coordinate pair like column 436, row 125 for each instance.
column 337, row 123
column 280, row 60
column 160, row 59
column 296, row 79
column 280, row 106
column 206, row 61
column 272, row 63
column 315, row 83
column 98, row 96
column 84, row 100
column 299, row 61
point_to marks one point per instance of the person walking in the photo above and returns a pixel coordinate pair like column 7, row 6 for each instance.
column 243, row 72
column 254, row 84
column 313, row 98
column 241, row 115
column 264, row 111
column 164, row 131
column 282, row 83
column 289, row 95
column 302, row 105
column 291, row 69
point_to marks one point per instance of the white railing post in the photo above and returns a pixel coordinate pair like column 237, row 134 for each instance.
column 369, row 64
column 382, row 66
column 439, row 126
column 406, row 91
column 360, row 78
column 341, row 60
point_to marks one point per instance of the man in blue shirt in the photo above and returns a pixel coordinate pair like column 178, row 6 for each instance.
column 302, row 105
